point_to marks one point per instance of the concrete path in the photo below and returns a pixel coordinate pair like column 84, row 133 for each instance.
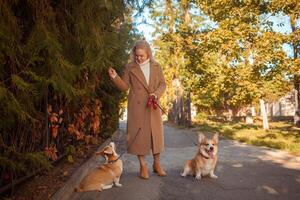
column 245, row 172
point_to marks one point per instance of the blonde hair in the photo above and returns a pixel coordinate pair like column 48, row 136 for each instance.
column 141, row 44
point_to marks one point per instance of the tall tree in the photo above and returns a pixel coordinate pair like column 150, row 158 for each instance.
column 291, row 10
column 56, row 52
column 225, row 53
column 173, row 33
column 249, row 50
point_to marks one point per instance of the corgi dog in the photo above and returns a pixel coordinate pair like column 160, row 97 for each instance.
column 205, row 160
column 105, row 175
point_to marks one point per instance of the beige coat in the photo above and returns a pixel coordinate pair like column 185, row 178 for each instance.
column 144, row 125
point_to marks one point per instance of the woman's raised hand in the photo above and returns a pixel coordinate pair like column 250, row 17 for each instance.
column 112, row 73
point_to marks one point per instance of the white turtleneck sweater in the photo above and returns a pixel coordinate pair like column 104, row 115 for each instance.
column 145, row 67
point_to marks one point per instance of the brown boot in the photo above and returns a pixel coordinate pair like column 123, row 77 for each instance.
column 156, row 166
column 144, row 172
column 158, row 169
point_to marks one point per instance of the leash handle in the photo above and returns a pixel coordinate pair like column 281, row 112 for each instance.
column 152, row 103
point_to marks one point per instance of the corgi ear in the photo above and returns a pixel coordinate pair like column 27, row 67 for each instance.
column 112, row 144
column 216, row 138
column 108, row 151
column 201, row 137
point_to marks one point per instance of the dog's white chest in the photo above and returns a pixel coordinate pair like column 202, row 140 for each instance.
column 207, row 167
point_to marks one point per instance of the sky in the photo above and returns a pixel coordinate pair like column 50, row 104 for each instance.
column 144, row 28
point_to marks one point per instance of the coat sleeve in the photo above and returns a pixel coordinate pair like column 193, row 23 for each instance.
column 123, row 83
column 162, row 83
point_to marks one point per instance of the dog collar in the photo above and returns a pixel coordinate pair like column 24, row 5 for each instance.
column 113, row 161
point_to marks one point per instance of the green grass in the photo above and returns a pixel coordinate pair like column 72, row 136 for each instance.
column 282, row 135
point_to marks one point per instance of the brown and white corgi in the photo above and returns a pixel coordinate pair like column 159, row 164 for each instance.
column 106, row 175
column 205, row 160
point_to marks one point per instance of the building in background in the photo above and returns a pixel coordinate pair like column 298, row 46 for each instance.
column 285, row 106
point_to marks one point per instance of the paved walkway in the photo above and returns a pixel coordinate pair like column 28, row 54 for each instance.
column 245, row 172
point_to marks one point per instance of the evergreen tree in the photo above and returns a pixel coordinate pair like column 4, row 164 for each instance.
column 54, row 57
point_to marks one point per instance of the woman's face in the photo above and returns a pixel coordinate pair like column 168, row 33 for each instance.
column 140, row 55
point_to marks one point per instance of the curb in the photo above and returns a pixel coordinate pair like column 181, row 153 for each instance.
column 66, row 191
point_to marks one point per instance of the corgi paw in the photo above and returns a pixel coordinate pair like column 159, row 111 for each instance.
column 183, row 174
column 198, row 177
column 213, row 176
column 118, row 184
column 107, row 187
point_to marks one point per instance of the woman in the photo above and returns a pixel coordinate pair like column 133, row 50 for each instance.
column 144, row 78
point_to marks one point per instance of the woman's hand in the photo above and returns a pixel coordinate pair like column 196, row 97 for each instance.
column 112, row 73
column 153, row 95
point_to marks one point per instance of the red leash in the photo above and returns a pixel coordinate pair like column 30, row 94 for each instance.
column 152, row 102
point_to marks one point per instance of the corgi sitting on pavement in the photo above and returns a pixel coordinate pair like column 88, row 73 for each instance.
column 205, row 160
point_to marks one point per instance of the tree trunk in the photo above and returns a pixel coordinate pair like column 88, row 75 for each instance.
column 264, row 114
column 180, row 113
column 189, row 110
column 173, row 112
column 297, row 99
column 184, row 111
